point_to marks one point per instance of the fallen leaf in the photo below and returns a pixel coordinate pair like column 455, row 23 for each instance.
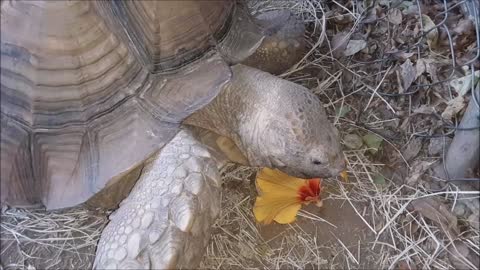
column 435, row 211
column 342, row 111
column 354, row 46
column 464, row 26
column 373, row 142
column 408, row 73
column 424, row 109
column 395, row 16
column 419, row 167
column 379, row 179
column 412, row 149
column 420, row 68
column 339, row 43
column 453, row 107
column 464, row 84
column 281, row 196
column 430, row 28
column 400, row 55
column 352, row 141
column 426, row 66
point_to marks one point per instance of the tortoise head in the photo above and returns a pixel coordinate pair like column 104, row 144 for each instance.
column 298, row 137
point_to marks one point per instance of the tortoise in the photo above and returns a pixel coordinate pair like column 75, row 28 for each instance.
column 99, row 100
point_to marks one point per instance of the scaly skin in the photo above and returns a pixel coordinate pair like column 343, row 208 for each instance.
column 275, row 123
column 165, row 221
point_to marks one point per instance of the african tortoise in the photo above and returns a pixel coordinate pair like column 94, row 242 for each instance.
column 97, row 97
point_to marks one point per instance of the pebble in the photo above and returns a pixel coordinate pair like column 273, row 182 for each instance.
column 459, row 209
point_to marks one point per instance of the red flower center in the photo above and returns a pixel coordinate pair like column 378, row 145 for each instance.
column 310, row 192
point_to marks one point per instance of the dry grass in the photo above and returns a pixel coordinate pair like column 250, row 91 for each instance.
column 56, row 239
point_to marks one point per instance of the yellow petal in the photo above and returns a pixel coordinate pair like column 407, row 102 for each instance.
column 279, row 197
column 269, row 179
column 288, row 215
column 267, row 208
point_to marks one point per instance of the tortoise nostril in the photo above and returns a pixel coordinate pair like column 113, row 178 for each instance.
column 317, row 162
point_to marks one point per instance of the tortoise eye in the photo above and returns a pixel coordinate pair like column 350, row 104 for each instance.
column 317, row 162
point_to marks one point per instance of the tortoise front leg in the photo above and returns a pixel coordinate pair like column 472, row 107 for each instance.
column 166, row 219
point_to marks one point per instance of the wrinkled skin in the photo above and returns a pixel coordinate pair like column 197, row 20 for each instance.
column 275, row 125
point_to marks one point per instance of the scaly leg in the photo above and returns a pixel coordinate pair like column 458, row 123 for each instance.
column 165, row 222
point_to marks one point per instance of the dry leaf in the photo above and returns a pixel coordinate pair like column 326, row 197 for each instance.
column 464, row 84
column 424, row 109
column 464, row 26
column 400, row 55
column 453, row 107
column 437, row 212
column 430, row 27
column 354, row 46
column 428, row 66
column 339, row 43
column 395, row 16
column 412, row 149
column 408, row 73
column 281, row 196
column 420, row 68
column 419, row 167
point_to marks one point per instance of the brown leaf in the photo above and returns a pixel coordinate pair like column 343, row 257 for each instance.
column 424, row 109
column 400, row 55
column 395, row 16
column 430, row 27
column 412, row 149
column 419, row 167
column 435, row 211
column 464, row 26
column 354, row 46
column 420, row 67
column 428, row 66
column 453, row 107
column 339, row 43
column 408, row 73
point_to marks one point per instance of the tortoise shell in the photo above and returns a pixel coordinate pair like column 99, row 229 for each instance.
column 86, row 93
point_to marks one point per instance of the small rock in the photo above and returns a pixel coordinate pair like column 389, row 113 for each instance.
column 459, row 209
column 435, row 147
column 353, row 141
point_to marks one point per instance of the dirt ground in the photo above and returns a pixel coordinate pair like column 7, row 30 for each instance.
column 318, row 239
column 394, row 77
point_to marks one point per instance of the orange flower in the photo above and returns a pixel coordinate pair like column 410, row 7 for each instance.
column 282, row 196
